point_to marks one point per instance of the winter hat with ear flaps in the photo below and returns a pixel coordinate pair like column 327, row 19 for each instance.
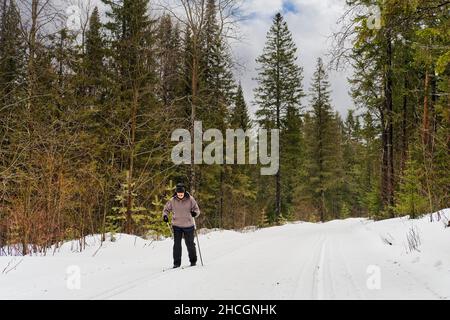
column 180, row 188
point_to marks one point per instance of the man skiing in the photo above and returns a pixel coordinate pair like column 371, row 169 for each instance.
column 184, row 209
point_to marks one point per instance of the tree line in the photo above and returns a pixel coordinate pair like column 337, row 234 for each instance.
column 86, row 118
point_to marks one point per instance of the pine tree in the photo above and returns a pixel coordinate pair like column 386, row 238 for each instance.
column 12, row 71
column 263, row 220
column 292, row 158
column 353, row 165
column 322, row 162
column 345, row 211
column 410, row 198
column 239, row 115
column 239, row 185
column 156, row 225
column 217, row 82
column 336, row 194
column 169, row 62
column 11, row 52
column 279, row 85
column 94, row 58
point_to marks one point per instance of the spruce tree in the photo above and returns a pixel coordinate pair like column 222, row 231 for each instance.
column 353, row 165
column 371, row 183
column 12, row 65
column 11, row 52
column 169, row 62
column 239, row 115
column 279, row 85
column 240, row 185
column 323, row 161
column 292, row 158
column 93, row 60
column 410, row 198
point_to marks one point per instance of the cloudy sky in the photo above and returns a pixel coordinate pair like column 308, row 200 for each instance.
column 311, row 23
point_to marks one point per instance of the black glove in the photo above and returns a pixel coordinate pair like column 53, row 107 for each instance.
column 166, row 218
column 193, row 214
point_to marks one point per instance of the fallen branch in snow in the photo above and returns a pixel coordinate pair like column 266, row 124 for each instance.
column 7, row 266
column 14, row 267
column 101, row 245
column 388, row 239
column 413, row 239
column 148, row 244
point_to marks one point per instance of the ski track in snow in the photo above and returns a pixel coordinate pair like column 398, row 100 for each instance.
column 295, row 261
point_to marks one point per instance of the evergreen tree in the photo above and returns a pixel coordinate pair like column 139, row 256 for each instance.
column 94, row 58
column 353, row 166
column 292, row 158
column 410, row 198
column 370, row 176
column 322, row 162
column 239, row 115
column 240, row 185
column 11, row 52
column 217, row 82
column 279, row 85
column 169, row 62
column 12, row 63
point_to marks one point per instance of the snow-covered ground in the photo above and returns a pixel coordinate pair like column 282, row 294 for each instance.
column 348, row 259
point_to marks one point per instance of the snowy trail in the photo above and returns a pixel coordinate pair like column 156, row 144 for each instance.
column 314, row 267
column 295, row 261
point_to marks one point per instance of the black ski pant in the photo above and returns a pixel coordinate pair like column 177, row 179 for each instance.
column 189, row 235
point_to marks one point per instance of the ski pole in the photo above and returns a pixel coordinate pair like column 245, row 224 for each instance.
column 198, row 243
column 171, row 232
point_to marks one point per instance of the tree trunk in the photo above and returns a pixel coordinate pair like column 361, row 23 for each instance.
column 194, row 83
column 388, row 135
column 404, row 123
column 322, row 205
column 221, row 195
column 278, row 102
column 129, row 218
column 425, row 117
column 432, row 113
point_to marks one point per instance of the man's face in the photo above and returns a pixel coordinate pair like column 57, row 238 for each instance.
column 180, row 195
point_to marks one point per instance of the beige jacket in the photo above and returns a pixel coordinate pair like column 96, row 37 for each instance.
column 182, row 210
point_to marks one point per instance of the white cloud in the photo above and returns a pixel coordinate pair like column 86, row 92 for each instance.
column 261, row 7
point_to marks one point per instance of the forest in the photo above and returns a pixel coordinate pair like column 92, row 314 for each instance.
column 87, row 113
